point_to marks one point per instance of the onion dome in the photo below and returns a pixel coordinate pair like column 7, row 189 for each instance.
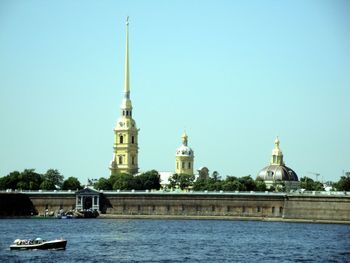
column 184, row 149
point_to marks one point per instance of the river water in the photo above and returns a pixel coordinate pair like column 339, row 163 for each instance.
column 116, row 240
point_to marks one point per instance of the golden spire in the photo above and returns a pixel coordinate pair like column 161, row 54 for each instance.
column 184, row 138
column 126, row 104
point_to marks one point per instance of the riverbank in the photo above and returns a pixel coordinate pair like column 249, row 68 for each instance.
column 229, row 218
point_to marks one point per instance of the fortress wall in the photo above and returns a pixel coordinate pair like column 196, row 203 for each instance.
column 333, row 208
column 316, row 207
column 192, row 204
column 52, row 201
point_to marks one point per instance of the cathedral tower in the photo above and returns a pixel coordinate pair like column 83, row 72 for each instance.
column 277, row 156
column 125, row 157
column 184, row 157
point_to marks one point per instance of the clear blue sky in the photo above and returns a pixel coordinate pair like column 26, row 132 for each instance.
column 234, row 74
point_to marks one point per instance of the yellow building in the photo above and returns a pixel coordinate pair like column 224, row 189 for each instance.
column 125, row 157
column 184, row 157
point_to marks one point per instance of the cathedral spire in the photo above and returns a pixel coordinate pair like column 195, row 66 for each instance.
column 126, row 104
column 125, row 147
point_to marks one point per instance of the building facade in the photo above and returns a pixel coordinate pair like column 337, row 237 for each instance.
column 125, row 149
column 184, row 157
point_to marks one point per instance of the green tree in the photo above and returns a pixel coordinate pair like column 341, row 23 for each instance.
column 10, row 181
column 183, row 181
column 123, row 181
column 344, row 183
column 71, row 183
column 52, row 180
column 260, row 185
column 232, row 183
column 103, row 184
column 248, row 182
column 310, row 185
column 148, row 180
column 29, row 180
column 200, row 184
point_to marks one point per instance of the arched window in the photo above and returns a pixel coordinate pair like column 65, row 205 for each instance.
column 120, row 159
column 132, row 139
column 121, row 139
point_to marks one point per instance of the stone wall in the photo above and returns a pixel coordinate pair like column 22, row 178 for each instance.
column 53, row 202
column 317, row 207
column 192, row 204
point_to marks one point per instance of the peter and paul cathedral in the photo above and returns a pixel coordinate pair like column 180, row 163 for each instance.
column 125, row 149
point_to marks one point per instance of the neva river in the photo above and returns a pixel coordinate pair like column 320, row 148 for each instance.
column 112, row 240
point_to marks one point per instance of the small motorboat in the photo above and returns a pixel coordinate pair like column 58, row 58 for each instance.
column 39, row 243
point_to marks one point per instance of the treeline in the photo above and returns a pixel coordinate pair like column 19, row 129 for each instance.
column 146, row 181
column 216, row 183
column 31, row 180
column 53, row 180
column 309, row 184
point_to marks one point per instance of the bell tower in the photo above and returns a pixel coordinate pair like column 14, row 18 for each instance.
column 184, row 157
column 125, row 148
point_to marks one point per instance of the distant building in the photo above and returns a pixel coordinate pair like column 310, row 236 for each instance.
column 125, row 156
column 277, row 172
column 164, row 179
column 184, row 157
column 203, row 173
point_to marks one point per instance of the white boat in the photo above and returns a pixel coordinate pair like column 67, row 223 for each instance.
column 39, row 243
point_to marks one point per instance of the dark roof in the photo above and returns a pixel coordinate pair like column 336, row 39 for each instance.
column 87, row 191
column 275, row 172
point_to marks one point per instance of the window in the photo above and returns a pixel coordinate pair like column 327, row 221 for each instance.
column 183, row 165
column 133, row 160
column 79, row 200
column 281, row 210
column 120, row 159
column 177, row 165
column 95, row 200
column 121, row 139
column 132, row 139
column 258, row 209
column 189, row 165
column 127, row 113
column 243, row 209
column 273, row 210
